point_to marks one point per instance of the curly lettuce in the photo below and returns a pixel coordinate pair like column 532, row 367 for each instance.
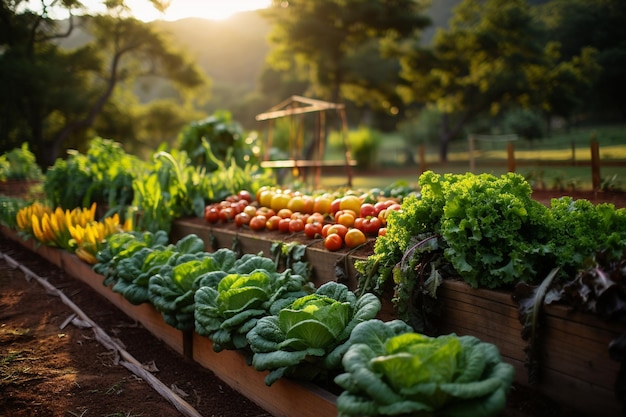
column 390, row 370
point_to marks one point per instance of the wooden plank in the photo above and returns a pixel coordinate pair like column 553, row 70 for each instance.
column 144, row 313
column 284, row 398
column 306, row 163
column 51, row 254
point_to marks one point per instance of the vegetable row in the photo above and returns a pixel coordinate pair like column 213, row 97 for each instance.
column 284, row 325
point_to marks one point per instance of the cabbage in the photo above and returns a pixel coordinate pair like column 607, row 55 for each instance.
column 390, row 370
column 227, row 310
column 305, row 340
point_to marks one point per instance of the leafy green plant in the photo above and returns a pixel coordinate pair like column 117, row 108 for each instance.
column 9, row 207
column 104, row 174
column 225, row 312
column 390, row 370
column 19, row 164
column 172, row 290
column 306, row 339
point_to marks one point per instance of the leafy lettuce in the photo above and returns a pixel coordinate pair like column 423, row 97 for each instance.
column 390, row 370
column 306, row 339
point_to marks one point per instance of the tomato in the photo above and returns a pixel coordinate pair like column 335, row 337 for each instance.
column 284, row 213
column 212, row 214
column 313, row 230
column 296, row 203
column 322, row 204
column 358, row 223
column 250, row 210
column 283, row 225
column 382, row 231
column 296, row 225
column 337, row 228
column 350, row 202
column 265, row 211
column 334, row 206
column 368, row 210
column 380, row 205
column 227, row 214
column 242, row 219
column 333, row 242
column 257, row 223
column 272, row 222
column 371, row 225
column 345, row 218
column 245, row 195
column 354, row 237
column 315, row 218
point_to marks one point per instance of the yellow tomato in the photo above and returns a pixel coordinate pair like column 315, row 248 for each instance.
column 350, row 202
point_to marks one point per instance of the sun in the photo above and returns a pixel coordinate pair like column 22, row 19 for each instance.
column 207, row 9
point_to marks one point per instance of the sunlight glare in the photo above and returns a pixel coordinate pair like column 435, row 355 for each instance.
column 207, row 9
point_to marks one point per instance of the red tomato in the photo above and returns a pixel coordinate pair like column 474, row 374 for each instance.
column 315, row 218
column 313, row 230
column 371, row 225
column 368, row 210
column 257, row 223
column 358, row 223
column 354, row 237
column 296, row 225
column 242, row 219
column 334, row 206
column 245, row 195
column 227, row 214
column 272, row 223
column 283, row 225
column 212, row 214
column 333, row 242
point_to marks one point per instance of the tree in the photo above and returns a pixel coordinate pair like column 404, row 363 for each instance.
column 493, row 57
column 53, row 95
column 320, row 39
column 580, row 24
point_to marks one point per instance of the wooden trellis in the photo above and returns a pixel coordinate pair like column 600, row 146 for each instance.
column 296, row 107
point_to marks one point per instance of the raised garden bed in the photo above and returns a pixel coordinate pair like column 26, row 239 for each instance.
column 575, row 369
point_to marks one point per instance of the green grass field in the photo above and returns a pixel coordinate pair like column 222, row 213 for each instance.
column 560, row 161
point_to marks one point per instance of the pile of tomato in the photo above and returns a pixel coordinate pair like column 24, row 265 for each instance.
column 346, row 220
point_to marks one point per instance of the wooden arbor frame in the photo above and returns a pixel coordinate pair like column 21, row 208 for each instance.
column 298, row 106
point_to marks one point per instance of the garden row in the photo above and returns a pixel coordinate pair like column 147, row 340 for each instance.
column 469, row 254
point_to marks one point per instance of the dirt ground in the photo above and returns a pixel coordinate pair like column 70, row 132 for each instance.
column 49, row 371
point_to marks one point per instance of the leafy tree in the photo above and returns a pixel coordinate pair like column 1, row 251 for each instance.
column 54, row 95
column 493, row 57
column 579, row 24
column 321, row 39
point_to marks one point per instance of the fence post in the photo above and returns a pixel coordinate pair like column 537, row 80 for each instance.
column 472, row 164
column 510, row 152
column 595, row 163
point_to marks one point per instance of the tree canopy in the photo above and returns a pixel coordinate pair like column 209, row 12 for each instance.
column 53, row 95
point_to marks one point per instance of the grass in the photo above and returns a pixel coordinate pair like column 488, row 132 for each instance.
column 550, row 161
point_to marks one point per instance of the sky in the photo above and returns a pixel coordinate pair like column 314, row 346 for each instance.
column 209, row 9
column 179, row 9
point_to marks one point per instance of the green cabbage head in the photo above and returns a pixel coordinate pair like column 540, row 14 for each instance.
column 305, row 340
column 390, row 370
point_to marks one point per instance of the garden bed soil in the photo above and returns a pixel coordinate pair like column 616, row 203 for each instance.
column 48, row 371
